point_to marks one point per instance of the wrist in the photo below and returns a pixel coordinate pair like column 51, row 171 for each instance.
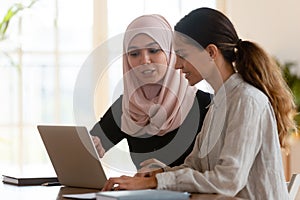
column 165, row 169
column 153, row 182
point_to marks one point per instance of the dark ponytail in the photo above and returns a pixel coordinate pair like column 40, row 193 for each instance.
column 260, row 70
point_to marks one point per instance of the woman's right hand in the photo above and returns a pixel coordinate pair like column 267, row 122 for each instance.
column 98, row 146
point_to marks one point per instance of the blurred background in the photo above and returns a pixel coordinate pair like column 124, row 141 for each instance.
column 44, row 43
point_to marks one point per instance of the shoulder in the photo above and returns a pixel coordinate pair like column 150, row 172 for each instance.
column 118, row 103
column 113, row 112
column 203, row 98
column 201, row 94
column 246, row 93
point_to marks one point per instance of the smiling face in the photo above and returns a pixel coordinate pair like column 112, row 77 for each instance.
column 147, row 59
column 191, row 73
column 191, row 60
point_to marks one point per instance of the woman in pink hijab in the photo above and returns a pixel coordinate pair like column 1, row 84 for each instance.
column 159, row 113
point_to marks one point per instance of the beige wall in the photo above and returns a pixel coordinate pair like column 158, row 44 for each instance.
column 275, row 24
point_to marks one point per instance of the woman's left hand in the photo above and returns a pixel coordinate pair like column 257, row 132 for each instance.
column 130, row 183
column 150, row 167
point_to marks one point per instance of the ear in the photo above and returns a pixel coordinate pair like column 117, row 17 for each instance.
column 212, row 50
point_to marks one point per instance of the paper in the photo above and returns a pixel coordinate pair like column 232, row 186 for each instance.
column 80, row 196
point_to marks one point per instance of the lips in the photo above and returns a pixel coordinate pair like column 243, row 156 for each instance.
column 148, row 71
column 187, row 74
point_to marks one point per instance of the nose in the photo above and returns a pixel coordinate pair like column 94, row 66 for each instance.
column 178, row 64
column 145, row 58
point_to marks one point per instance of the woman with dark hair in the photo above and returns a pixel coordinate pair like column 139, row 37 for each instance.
column 237, row 152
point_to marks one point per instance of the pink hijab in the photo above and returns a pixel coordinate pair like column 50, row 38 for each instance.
column 166, row 111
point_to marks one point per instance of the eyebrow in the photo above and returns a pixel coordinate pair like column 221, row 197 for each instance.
column 146, row 46
column 178, row 51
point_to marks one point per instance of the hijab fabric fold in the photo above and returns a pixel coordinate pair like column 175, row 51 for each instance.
column 167, row 110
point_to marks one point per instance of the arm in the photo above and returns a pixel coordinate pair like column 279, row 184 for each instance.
column 146, row 180
column 242, row 142
column 107, row 132
column 130, row 183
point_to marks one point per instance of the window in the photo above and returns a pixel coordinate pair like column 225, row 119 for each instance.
column 40, row 60
column 45, row 47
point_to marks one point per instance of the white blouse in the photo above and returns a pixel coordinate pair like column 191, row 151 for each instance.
column 237, row 152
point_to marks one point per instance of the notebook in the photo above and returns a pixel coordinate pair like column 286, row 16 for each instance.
column 142, row 194
column 23, row 180
column 148, row 194
column 73, row 156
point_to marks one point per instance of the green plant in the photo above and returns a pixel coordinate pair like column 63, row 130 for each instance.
column 289, row 69
column 12, row 11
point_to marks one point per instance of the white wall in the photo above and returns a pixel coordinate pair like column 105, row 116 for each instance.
column 274, row 24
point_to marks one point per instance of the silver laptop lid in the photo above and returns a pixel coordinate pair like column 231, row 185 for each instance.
column 73, row 156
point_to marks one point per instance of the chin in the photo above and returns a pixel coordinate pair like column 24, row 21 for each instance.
column 191, row 82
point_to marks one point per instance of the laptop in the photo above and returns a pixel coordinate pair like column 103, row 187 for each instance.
column 73, row 156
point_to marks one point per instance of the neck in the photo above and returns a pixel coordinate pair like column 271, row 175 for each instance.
column 151, row 90
column 224, row 70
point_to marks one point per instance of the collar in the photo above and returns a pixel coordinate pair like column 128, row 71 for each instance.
column 228, row 86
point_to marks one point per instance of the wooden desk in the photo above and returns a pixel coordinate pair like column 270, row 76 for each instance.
column 11, row 192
